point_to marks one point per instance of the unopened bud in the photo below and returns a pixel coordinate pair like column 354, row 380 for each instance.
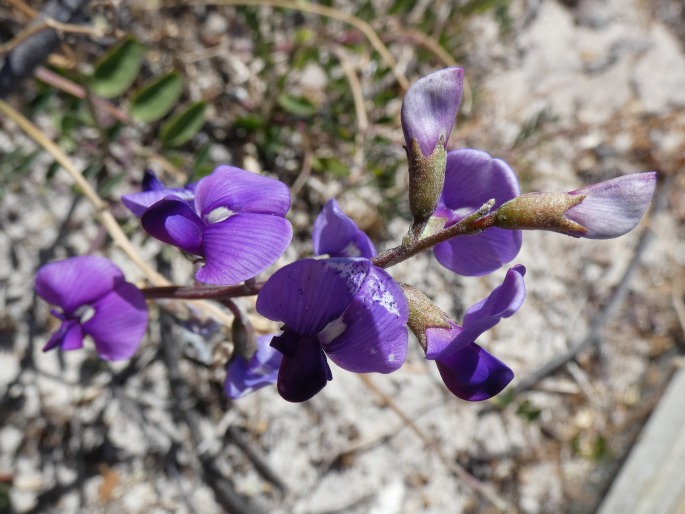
column 600, row 211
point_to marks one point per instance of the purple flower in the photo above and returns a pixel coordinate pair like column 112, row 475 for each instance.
column 337, row 235
column 244, row 376
column 614, row 207
column 430, row 107
column 95, row 300
column 153, row 192
column 470, row 372
column 237, row 224
column 472, row 178
column 345, row 309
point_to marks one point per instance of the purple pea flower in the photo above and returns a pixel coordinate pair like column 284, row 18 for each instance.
column 472, row 178
column 236, row 224
column 347, row 310
column 95, row 300
column 244, row 376
column 337, row 235
column 430, row 107
column 470, row 372
column 154, row 191
column 614, row 207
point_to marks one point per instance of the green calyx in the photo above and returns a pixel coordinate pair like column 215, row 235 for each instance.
column 540, row 211
column 423, row 314
column 426, row 180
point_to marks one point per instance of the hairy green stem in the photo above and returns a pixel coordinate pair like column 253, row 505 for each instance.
column 476, row 222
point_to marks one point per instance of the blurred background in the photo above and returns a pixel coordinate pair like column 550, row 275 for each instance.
column 568, row 92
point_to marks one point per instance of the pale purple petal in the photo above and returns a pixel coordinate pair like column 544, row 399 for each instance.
column 173, row 221
column 304, row 369
column 437, row 339
column 479, row 254
column 138, row 203
column 308, row 294
column 473, row 374
column 371, row 335
column 337, row 235
column 69, row 336
column 77, row 281
column 430, row 107
column 614, row 207
column 242, row 246
column 241, row 191
column 503, row 302
column 245, row 376
column 473, row 177
column 119, row 322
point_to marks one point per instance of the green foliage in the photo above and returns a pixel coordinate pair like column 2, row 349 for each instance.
column 297, row 106
column 157, row 98
column 183, row 126
column 331, row 165
column 591, row 446
column 528, row 411
column 13, row 166
column 117, row 69
column 482, row 6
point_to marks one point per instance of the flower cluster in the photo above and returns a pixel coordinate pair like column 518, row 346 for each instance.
column 94, row 300
column 343, row 305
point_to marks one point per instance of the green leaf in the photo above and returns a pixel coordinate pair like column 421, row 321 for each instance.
column 117, row 69
column 249, row 122
column 111, row 183
column 330, row 165
column 296, row 105
column 401, row 6
column 155, row 99
column 183, row 126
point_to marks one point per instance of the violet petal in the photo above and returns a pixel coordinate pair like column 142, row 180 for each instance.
column 614, row 207
column 241, row 191
column 119, row 322
column 473, row 374
column 77, row 281
column 337, row 235
column 437, row 339
column 371, row 335
column 173, row 221
column 244, row 377
column 479, row 254
column 69, row 336
column 242, row 246
column 150, row 182
column 138, row 203
column 305, row 373
column 308, row 294
column 473, row 177
column 503, row 302
column 430, row 107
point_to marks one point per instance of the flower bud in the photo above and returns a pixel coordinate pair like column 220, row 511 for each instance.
column 428, row 112
column 600, row 211
column 429, row 109
column 614, row 207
